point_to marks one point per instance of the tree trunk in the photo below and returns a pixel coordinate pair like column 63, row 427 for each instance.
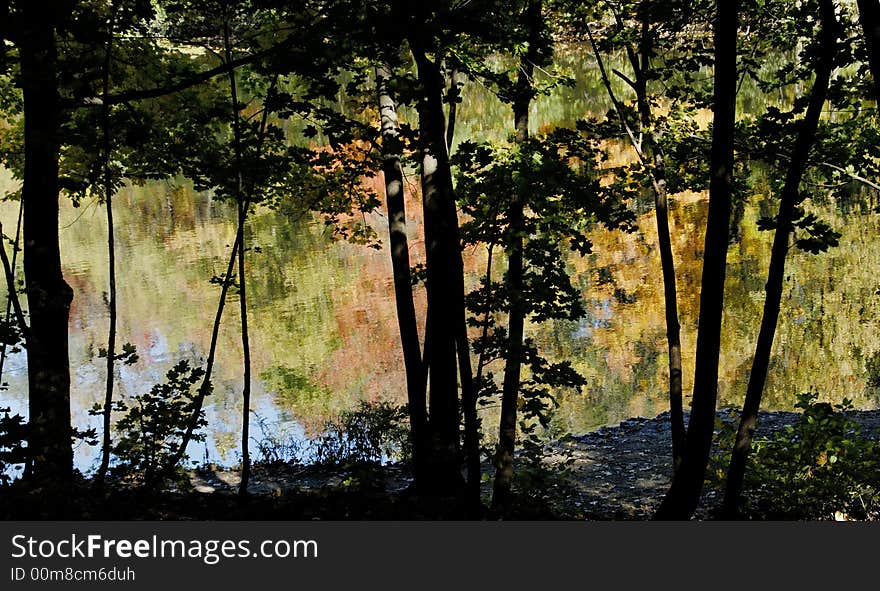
column 444, row 282
column 501, row 494
column 654, row 156
column 111, row 253
column 14, row 302
column 454, row 97
column 205, row 387
column 776, row 273
column 49, row 296
column 400, row 265
column 670, row 298
column 463, row 351
column 469, row 410
column 683, row 496
column 242, row 206
column 246, row 357
column 869, row 15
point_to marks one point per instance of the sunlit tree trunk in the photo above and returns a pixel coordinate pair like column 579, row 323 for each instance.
column 453, row 96
column 400, row 264
column 444, row 280
column 776, row 272
column 683, row 496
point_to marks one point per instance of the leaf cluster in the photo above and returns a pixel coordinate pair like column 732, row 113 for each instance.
column 154, row 424
column 13, row 444
column 821, row 467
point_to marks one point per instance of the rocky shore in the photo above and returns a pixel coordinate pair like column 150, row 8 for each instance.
column 619, row 472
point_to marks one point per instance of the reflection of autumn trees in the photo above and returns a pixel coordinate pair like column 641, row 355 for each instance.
column 825, row 321
column 324, row 309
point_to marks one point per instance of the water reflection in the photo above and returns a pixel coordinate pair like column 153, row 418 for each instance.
column 324, row 334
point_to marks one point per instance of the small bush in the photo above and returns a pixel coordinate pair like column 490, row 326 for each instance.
column 373, row 432
column 275, row 446
column 542, row 486
column 821, row 467
column 154, row 426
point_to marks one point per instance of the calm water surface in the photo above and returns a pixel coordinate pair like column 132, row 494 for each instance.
column 324, row 333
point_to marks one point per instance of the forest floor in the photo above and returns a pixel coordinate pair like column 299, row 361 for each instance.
column 619, row 472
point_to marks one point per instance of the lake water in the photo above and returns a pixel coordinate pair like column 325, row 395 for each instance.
column 323, row 327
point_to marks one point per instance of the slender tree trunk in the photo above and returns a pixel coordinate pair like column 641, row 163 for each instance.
column 652, row 158
column 469, row 408
column 245, row 201
column 205, row 387
column 11, row 286
column 463, row 350
column 670, row 296
column 683, row 496
column 111, row 252
column 655, row 157
column 242, row 205
column 484, row 330
column 776, row 273
column 473, row 449
column 869, row 15
column 501, row 494
column 14, row 302
column 444, row 282
column 400, row 264
column 49, row 296
column 246, row 357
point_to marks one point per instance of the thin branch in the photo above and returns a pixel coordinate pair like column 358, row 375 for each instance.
column 13, row 294
column 629, row 81
column 852, row 175
column 618, row 108
column 136, row 95
column 855, row 177
column 630, row 50
column 15, row 249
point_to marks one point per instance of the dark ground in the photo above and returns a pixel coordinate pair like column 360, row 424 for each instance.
column 614, row 473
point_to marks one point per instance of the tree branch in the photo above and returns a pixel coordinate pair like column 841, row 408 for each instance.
column 136, row 95
column 851, row 175
column 629, row 81
column 618, row 108
column 13, row 294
